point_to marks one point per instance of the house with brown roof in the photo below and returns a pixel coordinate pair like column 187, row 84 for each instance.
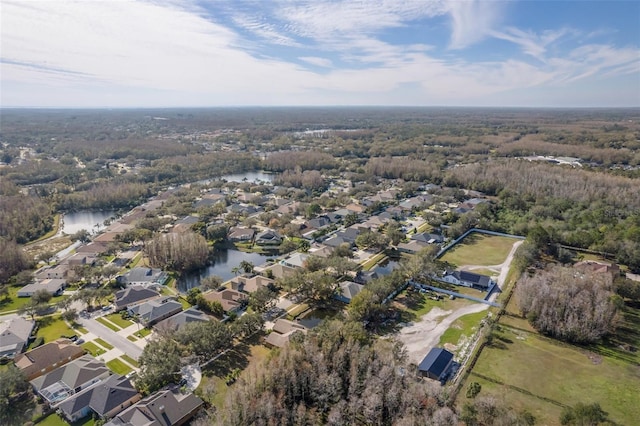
column 250, row 284
column 598, row 267
column 282, row 331
column 47, row 357
column 231, row 300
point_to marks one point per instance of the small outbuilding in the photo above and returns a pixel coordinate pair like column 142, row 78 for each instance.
column 437, row 365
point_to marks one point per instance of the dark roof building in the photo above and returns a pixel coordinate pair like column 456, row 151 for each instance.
column 143, row 276
column 168, row 407
column 179, row 320
column 437, row 364
column 154, row 310
column 132, row 295
column 468, row 279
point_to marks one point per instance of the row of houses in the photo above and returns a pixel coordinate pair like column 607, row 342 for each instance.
column 77, row 385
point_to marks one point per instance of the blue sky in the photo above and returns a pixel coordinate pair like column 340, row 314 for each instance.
column 167, row 53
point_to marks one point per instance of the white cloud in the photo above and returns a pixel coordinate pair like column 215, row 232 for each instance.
column 319, row 62
column 472, row 21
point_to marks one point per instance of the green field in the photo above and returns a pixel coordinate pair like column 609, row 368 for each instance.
column 93, row 349
column 526, row 367
column 103, row 343
column 417, row 304
column 108, row 324
column 118, row 320
column 118, row 367
column 479, row 249
column 12, row 302
column 142, row 333
column 52, row 328
column 466, row 326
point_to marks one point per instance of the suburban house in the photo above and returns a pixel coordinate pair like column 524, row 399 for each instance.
column 238, row 234
column 143, row 276
column 297, row 260
column 94, row 248
column 428, row 238
column 69, row 379
column 468, row 279
column 106, row 399
column 179, row 320
column 81, row 259
column 437, row 365
column 53, row 286
column 184, row 225
column 167, row 407
column 268, row 237
column 47, row 357
column 133, row 295
column 59, row 272
column 411, row 247
column 598, row 267
column 348, row 289
column 278, row 270
column 14, row 336
column 250, row 284
column 282, row 331
column 231, row 300
column 154, row 310
column 355, row 208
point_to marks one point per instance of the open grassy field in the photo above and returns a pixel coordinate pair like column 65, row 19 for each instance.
column 417, row 304
column 52, row 328
column 525, row 366
column 12, row 302
column 118, row 367
column 117, row 319
column 479, row 249
column 213, row 385
column 466, row 326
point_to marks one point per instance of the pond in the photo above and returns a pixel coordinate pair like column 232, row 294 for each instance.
column 90, row 220
column 386, row 267
column 224, row 260
column 244, row 177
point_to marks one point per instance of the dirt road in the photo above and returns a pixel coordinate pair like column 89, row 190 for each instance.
column 421, row 336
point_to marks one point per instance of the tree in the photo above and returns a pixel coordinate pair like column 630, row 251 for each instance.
column 583, row 415
column 211, row 282
column 159, row 365
column 394, row 232
column 350, row 219
column 41, row 296
column 372, row 240
column 263, row 298
column 179, row 252
column 304, row 246
column 4, row 291
column 246, row 266
column 205, row 339
column 31, row 308
column 70, row 315
column 568, row 304
column 247, row 325
column 16, row 400
column 12, row 259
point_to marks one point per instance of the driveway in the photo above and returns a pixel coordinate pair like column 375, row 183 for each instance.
column 110, row 336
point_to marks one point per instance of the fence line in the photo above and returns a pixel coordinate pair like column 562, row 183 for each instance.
column 446, row 248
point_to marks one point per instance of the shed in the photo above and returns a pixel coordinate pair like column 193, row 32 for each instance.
column 437, row 364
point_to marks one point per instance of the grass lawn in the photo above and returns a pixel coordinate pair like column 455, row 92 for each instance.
column 80, row 328
column 185, row 305
column 118, row 367
column 425, row 227
column 466, row 325
column 52, row 328
column 132, row 338
column 213, row 386
column 54, row 419
column 543, row 368
column 297, row 310
column 93, row 349
column 12, row 302
column 108, row 324
column 130, row 360
column 479, row 249
column 103, row 343
column 142, row 333
column 417, row 304
column 118, row 320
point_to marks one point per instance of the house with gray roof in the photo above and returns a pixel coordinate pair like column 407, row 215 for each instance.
column 437, row 365
column 428, row 238
column 70, row 379
column 348, row 290
column 179, row 320
column 167, row 407
column 154, row 310
column 144, row 276
column 106, row 398
column 14, row 336
column 133, row 295
column 268, row 237
column 241, row 234
column 282, row 331
column 53, row 286
column 468, row 279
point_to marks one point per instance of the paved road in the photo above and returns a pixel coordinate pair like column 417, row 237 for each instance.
column 126, row 346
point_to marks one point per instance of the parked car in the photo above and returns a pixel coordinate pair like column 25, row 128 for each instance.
column 79, row 341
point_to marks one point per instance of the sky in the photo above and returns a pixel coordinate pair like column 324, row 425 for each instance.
column 188, row 53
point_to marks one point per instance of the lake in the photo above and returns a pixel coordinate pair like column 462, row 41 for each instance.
column 244, row 177
column 386, row 267
column 224, row 260
column 85, row 219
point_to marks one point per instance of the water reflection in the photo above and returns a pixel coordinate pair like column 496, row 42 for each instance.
column 92, row 221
